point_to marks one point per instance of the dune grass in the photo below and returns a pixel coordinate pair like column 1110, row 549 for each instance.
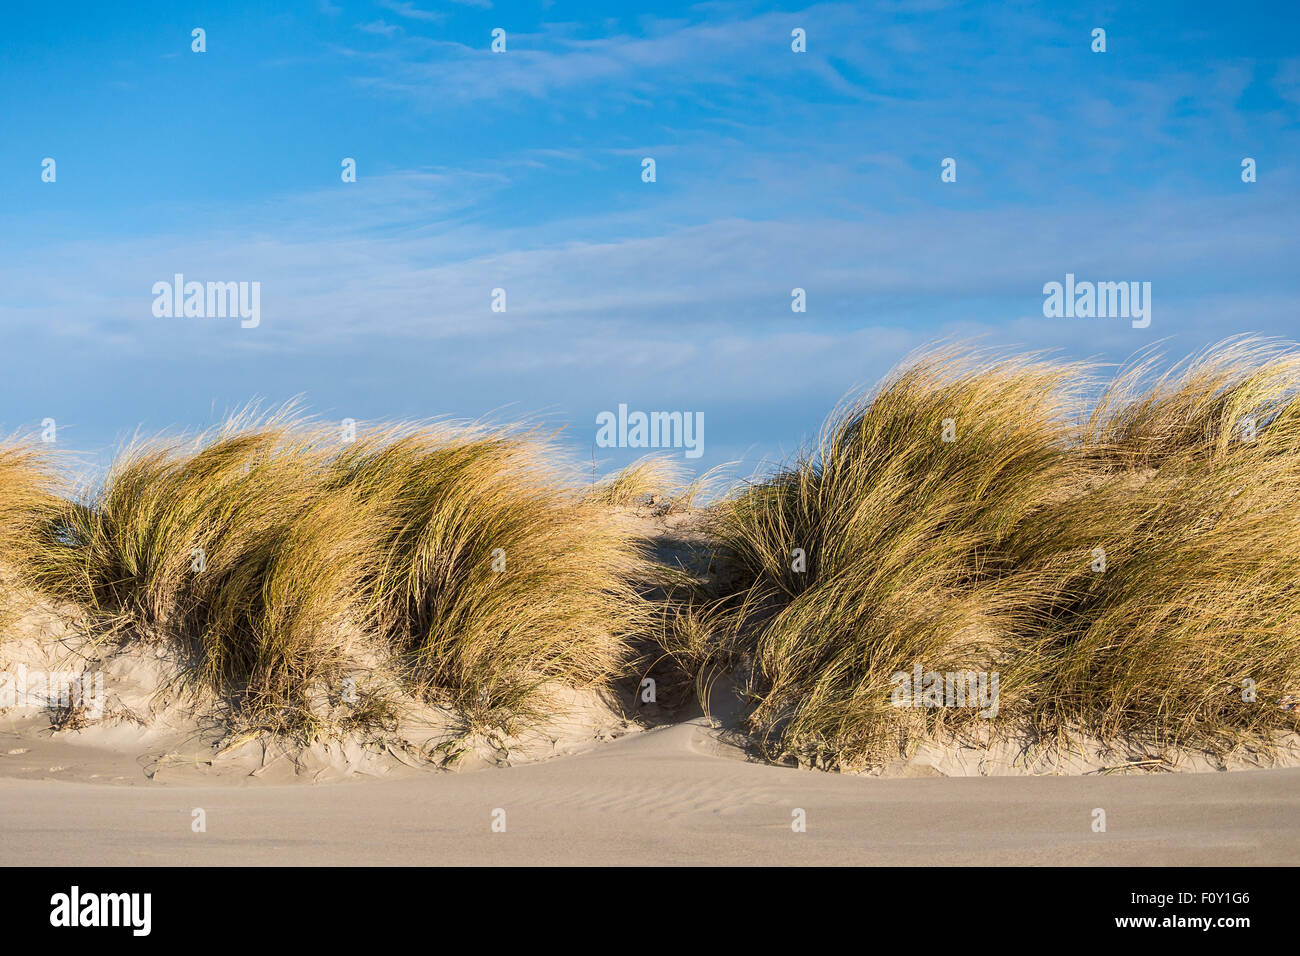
column 1128, row 565
column 655, row 481
column 495, row 577
column 1205, row 404
column 204, row 542
column 978, row 554
column 1175, row 605
column 884, row 545
column 278, row 557
column 640, row 483
column 29, row 492
column 28, row 486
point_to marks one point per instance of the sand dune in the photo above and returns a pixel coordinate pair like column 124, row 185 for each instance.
column 601, row 774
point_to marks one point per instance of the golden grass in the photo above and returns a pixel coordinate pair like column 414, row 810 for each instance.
column 29, row 485
column 957, row 517
column 640, row 483
column 1199, row 598
column 1200, row 405
column 274, row 553
column 654, row 481
column 977, row 554
column 903, row 537
column 495, row 577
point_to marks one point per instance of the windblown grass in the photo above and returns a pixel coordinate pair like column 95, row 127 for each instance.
column 1202, row 405
column 278, row 556
column 1191, row 633
column 1129, row 566
column 29, row 486
column 978, row 554
column 640, row 483
column 904, row 537
column 494, row 578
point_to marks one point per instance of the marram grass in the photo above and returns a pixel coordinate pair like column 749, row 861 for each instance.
column 29, row 494
column 1129, row 570
column 28, row 488
column 658, row 481
column 277, row 556
column 1175, row 605
column 885, row 544
column 492, row 577
column 1128, row 564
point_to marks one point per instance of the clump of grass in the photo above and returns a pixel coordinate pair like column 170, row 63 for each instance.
column 647, row 481
column 1175, row 605
column 28, row 488
column 227, row 546
column 29, row 485
column 1202, row 405
column 1129, row 573
column 886, row 544
column 695, row 642
column 271, row 550
column 494, row 578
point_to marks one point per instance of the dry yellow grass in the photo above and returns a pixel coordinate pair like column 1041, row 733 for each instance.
column 494, row 576
column 29, row 492
column 1191, row 633
column 647, row 478
column 901, row 514
column 1203, row 404
column 658, row 481
column 1129, row 567
column 28, row 486
column 978, row 554
column 265, row 549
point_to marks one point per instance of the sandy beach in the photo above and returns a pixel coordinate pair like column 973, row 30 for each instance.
column 662, row 797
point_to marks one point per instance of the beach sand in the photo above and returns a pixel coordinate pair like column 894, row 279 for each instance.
column 664, row 796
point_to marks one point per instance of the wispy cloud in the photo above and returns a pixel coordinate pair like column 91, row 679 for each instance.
column 411, row 12
column 378, row 27
column 560, row 57
column 400, row 258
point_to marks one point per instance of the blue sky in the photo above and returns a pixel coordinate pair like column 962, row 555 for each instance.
column 522, row 170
